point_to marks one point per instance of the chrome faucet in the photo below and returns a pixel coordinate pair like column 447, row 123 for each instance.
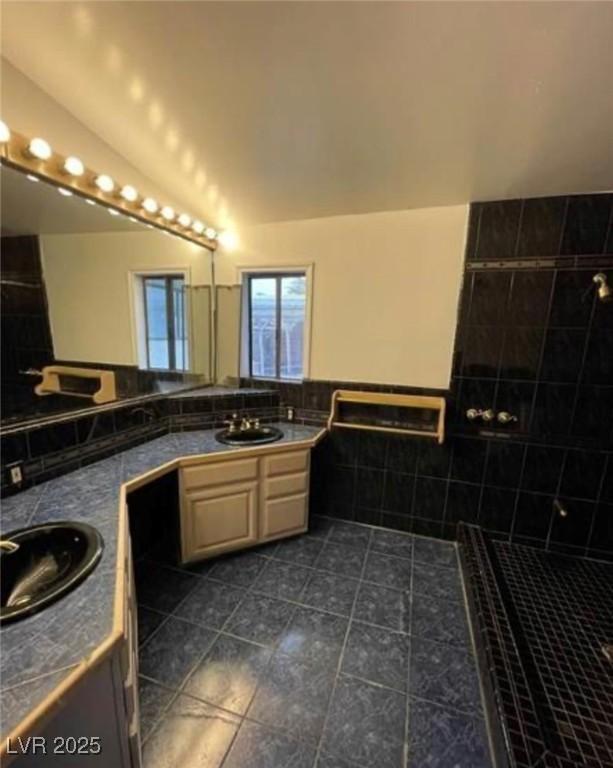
column 8, row 546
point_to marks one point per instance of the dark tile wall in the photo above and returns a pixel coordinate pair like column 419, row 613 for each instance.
column 26, row 336
column 68, row 443
column 532, row 339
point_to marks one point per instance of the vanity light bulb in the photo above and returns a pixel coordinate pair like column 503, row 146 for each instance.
column 73, row 166
column 40, row 149
column 210, row 233
column 198, row 227
column 129, row 193
column 105, row 183
column 150, row 205
column 168, row 213
column 5, row 133
column 65, row 192
column 185, row 220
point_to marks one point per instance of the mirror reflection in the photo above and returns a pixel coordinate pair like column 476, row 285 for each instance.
column 95, row 307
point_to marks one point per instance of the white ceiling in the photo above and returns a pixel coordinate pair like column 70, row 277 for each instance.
column 255, row 111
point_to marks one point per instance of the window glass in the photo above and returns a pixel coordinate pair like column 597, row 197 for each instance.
column 276, row 325
column 157, row 323
column 263, row 320
column 166, row 328
column 293, row 302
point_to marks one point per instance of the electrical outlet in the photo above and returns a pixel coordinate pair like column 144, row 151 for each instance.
column 15, row 473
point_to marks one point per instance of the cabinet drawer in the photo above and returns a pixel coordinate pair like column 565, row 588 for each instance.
column 286, row 463
column 220, row 473
column 285, row 485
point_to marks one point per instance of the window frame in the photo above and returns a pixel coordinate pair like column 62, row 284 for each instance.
column 140, row 330
column 244, row 275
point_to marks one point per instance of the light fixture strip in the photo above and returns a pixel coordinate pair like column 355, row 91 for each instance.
column 15, row 154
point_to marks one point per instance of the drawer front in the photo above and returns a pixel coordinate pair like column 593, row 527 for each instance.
column 286, row 463
column 220, row 473
column 285, row 485
column 284, row 516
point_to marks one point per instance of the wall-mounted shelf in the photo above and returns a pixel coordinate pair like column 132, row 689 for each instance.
column 419, row 415
column 51, row 383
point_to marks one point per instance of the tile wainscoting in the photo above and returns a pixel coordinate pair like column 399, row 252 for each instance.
column 68, row 443
column 532, row 339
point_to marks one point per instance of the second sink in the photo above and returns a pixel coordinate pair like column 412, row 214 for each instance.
column 250, row 436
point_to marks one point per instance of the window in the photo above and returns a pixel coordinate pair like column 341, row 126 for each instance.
column 165, row 334
column 276, row 324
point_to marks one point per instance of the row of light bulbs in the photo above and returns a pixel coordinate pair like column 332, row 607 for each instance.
column 41, row 150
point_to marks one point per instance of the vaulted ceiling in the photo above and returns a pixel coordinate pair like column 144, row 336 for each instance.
column 266, row 111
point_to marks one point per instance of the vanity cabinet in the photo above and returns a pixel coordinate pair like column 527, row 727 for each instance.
column 96, row 724
column 233, row 502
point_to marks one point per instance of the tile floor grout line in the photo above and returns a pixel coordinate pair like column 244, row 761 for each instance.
column 407, row 714
column 297, row 604
column 341, row 659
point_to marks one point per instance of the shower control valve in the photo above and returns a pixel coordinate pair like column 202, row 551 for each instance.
column 488, row 415
column 472, row 414
column 504, row 417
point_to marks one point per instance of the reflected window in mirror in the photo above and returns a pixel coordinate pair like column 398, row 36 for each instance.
column 165, row 341
column 276, row 306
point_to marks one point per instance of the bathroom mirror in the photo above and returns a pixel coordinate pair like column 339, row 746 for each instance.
column 82, row 287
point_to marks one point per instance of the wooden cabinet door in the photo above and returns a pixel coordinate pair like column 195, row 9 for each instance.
column 283, row 516
column 219, row 519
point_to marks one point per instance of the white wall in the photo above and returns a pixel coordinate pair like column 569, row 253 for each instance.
column 385, row 290
column 89, row 294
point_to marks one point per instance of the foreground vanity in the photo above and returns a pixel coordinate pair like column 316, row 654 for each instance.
column 72, row 669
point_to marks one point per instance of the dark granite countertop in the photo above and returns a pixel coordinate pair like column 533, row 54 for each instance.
column 40, row 651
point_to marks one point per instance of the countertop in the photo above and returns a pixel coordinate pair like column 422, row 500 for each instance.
column 42, row 650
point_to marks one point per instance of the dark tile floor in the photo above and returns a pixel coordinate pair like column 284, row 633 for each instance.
column 347, row 647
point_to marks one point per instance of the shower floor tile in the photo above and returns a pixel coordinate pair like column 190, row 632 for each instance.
column 357, row 656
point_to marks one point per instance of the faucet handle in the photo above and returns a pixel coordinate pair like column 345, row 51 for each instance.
column 488, row 415
column 504, row 417
column 472, row 414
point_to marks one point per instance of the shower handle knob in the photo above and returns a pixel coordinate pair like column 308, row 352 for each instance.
column 488, row 415
column 504, row 417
